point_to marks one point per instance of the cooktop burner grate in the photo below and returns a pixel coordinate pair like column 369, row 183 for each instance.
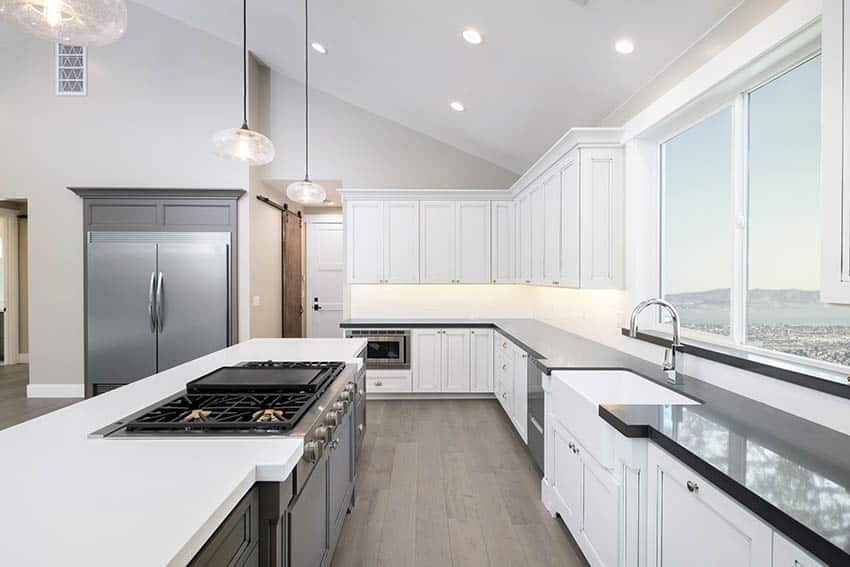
column 225, row 412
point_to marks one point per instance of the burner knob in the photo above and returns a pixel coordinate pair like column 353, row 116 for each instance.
column 345, row 396
column 332, row 418
column 313, row 451
column 351, row 387
column 341, row 406
column 324, row 434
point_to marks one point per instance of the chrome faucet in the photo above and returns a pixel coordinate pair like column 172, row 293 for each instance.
column 669, row 355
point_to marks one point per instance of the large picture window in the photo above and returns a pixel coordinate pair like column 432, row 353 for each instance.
column 741, row 222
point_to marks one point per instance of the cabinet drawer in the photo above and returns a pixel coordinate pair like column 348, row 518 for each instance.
column 388, row 382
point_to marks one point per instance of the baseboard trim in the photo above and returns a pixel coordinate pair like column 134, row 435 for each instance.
column 426, row 396
column 55, row 391
column 23, row 358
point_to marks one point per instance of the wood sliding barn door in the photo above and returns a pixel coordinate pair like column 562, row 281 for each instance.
column 292, row 276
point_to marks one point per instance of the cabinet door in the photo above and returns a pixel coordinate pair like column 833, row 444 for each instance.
column 401, row 242
column 552, row 227
column 364, row 242
column 437, row 241
column 308, row 521
column 601, row 186
column 538, row 235
column 600, row 536
column 504, row 379
column 835, row 179
column 427, row 360
column 340, row 477
column 481, row 360
column 456, row 360
column 565, row 476
column 570, row 222
column 524, row 243
column 786, row 554
column 502, row 242
column 690, row 522
column 473, row 242
column 520, row 395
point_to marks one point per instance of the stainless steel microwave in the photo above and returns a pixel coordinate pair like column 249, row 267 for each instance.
column 387, row 349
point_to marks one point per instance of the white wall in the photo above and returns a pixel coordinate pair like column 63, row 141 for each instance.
column 365, row 150
column 155, row 99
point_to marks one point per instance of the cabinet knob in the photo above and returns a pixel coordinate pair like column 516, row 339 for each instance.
column 504, row 367
column 572, row 446
column 692, row 486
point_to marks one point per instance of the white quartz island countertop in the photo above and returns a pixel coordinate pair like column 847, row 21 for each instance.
column 68, row 499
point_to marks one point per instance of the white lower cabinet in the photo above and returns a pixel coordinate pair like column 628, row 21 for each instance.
column 520, row 392
column 504, row 378
column 691, row 522
column 388, row 382
column 427, row 360
column 481, row 360
column 453, row 361
column 786, row 554
column 455, row 371
column 588, row 498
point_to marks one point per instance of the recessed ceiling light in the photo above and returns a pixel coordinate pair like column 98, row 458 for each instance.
column 473, row 36
column 318, row 47
column 624, row 46
column 457, row 106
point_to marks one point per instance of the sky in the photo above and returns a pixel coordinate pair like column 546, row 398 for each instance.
column 784, row 192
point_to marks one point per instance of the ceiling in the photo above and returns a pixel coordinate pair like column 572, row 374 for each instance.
column 545, row 65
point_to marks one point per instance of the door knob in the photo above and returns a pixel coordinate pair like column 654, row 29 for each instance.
column 317, row 307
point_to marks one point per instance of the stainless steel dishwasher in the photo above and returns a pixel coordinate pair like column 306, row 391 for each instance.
column 536, row 443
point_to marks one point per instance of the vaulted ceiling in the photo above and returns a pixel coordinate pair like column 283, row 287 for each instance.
column 545, row 65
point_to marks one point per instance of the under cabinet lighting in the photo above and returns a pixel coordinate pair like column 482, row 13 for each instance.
column 319, row 48
column 457, row 106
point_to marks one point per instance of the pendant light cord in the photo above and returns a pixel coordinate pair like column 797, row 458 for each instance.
column 306, row 94
column 245, row 64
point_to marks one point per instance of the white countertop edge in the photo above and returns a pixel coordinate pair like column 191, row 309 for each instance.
column 260, row 473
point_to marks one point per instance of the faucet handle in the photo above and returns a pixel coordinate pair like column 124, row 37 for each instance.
column 669, row 359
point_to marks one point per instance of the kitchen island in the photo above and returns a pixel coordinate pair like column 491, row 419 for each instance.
column 71, row 499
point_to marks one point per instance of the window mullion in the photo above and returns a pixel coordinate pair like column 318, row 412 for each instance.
column 738, row 315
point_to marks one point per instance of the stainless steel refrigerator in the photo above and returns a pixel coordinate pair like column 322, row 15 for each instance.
column 153, row 300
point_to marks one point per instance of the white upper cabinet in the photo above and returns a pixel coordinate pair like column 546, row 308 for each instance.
column 364, row 241
column 524, row 238
column 401, row 242
column 570, row 222
column 601, row 210
column 382, row 241
column 502, row 242
column 538, row 235
column 835, row 153
column 552, row 227
column 437, row 241
column 472, row 242
column 454, row 241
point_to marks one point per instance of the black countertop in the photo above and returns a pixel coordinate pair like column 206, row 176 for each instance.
column 793, row 473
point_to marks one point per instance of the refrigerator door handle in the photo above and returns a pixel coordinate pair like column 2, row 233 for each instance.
column 151, row 303
column 160, row 316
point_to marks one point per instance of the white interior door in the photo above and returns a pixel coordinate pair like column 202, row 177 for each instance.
column 325, row 275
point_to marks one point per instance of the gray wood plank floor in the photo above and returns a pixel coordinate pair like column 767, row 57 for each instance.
column 448, row 482
column 15, row 407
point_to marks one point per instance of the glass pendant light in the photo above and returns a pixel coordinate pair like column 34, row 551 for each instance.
column 306, row 192
column 72, row 22
column 244, row 144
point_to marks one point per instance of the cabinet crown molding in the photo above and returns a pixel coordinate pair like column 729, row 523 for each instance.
column 352, row 194
column 575, row 138
column 156, row 192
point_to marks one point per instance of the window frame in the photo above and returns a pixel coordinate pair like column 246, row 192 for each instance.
column 734, row 93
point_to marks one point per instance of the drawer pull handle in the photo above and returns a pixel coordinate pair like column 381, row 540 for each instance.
column 692, row 486
column 379, row 383
column 536, row 425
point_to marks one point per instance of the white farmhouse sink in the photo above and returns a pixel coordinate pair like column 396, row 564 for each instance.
column 621, row 387
column 577, row 395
